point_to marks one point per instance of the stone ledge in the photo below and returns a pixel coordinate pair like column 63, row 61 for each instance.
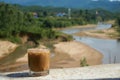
column 108, row 71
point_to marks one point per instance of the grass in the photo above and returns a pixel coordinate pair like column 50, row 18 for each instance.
column 83, row 62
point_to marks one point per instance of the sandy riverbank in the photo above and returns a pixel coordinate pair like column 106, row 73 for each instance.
column 67, row 54
column 6, row 48
column 78, row 26
column 104, row 34
column 84, row 26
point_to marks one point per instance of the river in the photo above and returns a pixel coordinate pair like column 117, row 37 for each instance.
column 109, row 48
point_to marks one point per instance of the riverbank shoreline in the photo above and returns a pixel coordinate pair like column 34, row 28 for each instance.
column 61, row 58
column 77, row 26
column 6, row 48
column 73, row 52
column 68, row 62
column 103, row 34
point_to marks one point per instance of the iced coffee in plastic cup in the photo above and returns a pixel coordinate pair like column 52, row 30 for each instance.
column 38, row 61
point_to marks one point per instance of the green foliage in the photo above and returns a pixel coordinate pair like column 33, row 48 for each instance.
column 118, row 21
column 14, row 39
column 63, row 37
column 49, row 22
column 83, row 62
column 16, row 20
column 79, row 16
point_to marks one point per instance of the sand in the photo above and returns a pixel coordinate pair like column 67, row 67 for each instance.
column 69, row 54
column 103, row 34
column 66, row 55
column 6, row 48
column 77, row 26
column 84, row 26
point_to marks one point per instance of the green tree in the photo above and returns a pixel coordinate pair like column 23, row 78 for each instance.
column 48, row 23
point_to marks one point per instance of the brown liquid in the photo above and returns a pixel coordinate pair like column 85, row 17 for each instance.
column 38, row 61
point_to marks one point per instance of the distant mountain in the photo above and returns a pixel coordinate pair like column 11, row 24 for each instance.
column 111, row 5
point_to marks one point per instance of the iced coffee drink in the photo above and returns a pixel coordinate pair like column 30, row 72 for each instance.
column 38, row 61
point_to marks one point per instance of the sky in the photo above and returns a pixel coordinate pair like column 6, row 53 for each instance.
column 114, row 0
column 37, row 2
column 108, row 0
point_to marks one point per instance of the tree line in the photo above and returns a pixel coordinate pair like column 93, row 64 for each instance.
column 38, row 21
column 78, row 16
column 14, row 23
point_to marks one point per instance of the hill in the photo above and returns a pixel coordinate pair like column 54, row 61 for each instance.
column 111, row 5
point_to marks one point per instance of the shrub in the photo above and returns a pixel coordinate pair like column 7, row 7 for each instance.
column 83, row 62
column 14, row 39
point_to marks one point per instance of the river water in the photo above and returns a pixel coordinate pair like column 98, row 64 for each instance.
column 109, row 48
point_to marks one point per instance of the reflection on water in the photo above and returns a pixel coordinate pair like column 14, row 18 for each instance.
column 109, row 48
